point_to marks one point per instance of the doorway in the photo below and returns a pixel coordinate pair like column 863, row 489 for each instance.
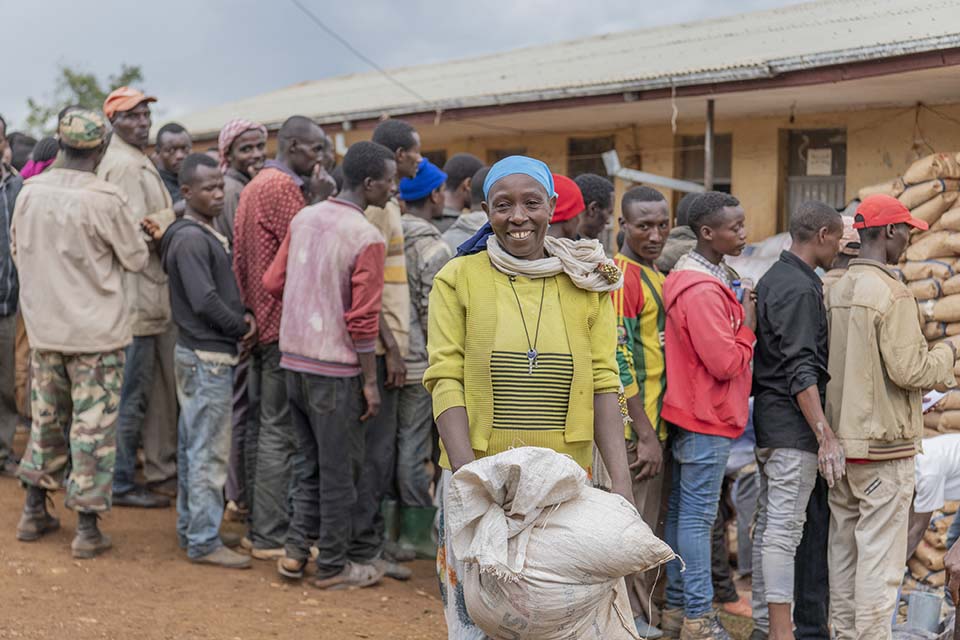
column 816, row 168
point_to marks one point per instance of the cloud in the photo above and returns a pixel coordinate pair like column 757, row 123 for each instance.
column 199, row 54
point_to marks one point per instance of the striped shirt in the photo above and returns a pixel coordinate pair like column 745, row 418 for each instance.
column 396, row 290
column 512, row 383
column 641, row 320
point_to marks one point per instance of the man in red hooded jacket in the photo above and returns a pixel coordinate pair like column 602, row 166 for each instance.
column 709, row 346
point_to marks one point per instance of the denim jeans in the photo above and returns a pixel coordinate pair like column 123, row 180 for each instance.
column 414, row 446
column 325, row 412
column 787, row 477
column 379, row 466
column 205, row 392
column 236, row 489
column 276, row 444
column 148, row 384
column 699, row 462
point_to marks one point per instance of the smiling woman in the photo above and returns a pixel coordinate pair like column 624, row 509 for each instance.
column 522, row 343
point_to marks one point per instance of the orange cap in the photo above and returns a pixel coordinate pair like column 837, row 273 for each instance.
column 124, row 99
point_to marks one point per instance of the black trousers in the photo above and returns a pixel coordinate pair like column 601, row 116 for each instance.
column 325, row 413
column 811, row 591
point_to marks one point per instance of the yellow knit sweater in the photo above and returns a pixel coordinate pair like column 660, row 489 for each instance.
column 475, row 320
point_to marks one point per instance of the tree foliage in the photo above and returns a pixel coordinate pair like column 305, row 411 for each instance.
column 76, row 87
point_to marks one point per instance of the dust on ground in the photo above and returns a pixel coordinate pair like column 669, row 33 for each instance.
column 146, row 589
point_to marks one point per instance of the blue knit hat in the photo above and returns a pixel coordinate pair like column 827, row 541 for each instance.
column 428, row 178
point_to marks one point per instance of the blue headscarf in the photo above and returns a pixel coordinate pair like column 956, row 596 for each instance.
column 509, row 166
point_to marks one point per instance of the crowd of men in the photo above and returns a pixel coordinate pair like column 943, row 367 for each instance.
column 238, row 318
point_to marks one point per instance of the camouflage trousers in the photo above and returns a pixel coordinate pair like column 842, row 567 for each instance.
column 79, row 395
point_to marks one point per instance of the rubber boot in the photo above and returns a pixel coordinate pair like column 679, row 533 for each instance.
column 35, row 521
column 392, row 551
column 390, row 511
column 416, row 530
column 89, row 541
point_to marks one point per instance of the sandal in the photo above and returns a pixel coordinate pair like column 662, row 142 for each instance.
column 291, row 568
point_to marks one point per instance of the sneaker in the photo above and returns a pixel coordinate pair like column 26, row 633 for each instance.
column 646, row 630
column 671, row 622
column 740, row 608
column 353, row 576
column 392, row 569
column 395, row 553
column 140, row 498
column 291, row 568
column 705, row 628
column 230, row 538
column 166, row 488
column 226, row 558
column 267, row 553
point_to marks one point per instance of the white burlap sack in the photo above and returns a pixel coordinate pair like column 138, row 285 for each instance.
column 545, row 553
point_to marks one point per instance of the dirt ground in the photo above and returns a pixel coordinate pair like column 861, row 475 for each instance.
column 144, row 588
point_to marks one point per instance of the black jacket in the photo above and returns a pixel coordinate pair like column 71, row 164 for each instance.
column 791, row 353
column 204, row 296
column 9, row 282
column 172, row 182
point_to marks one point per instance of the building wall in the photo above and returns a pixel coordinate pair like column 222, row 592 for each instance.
column 881, row 143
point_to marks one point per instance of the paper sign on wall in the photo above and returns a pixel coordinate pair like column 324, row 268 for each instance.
column 819, row 162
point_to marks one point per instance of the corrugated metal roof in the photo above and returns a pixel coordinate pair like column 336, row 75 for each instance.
column 748, row 46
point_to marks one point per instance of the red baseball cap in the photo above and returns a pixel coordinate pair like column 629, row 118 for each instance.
column 880, row 210
column 569, row 199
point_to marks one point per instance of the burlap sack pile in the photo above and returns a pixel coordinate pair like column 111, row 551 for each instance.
column 930, row 188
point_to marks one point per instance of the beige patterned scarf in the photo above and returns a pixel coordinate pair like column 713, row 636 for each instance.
column 583, row 260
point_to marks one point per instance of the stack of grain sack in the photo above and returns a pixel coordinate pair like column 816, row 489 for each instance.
column 925, row 568
column 930, row 188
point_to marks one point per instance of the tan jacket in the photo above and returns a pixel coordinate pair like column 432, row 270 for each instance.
column 73, row 239
column 132, row 172
column 879, row 364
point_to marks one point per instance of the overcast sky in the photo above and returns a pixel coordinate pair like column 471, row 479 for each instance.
column 198, row 53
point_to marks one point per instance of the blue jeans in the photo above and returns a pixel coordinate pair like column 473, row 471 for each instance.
column 698, row 466
column 205, row 391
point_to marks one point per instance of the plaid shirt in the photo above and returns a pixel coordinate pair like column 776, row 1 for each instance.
column 718, row 270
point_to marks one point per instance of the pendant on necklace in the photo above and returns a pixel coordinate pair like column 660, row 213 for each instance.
column 531, row 360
